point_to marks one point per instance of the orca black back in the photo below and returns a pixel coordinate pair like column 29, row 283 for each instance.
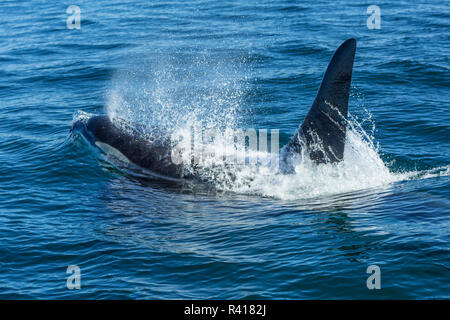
column 321, row 135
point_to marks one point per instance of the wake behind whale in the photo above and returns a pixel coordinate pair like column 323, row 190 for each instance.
column 315, row 152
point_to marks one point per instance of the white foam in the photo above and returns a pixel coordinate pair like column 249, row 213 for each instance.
column 207, row 94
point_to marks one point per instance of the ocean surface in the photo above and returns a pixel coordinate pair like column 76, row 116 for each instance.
column 226, row 64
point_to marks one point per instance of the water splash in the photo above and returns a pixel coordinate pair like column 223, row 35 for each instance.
column 171, row 90
column 183, row 93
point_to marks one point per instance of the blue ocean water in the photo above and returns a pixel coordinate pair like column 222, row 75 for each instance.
column 308, row 236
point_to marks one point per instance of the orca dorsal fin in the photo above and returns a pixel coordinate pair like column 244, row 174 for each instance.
column 324, row 128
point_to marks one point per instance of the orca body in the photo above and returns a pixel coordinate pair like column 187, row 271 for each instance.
column 321, row 135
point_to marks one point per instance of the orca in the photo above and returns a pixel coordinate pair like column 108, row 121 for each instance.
column 321, row 135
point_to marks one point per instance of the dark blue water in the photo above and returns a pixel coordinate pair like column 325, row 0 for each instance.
column 309, row 236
